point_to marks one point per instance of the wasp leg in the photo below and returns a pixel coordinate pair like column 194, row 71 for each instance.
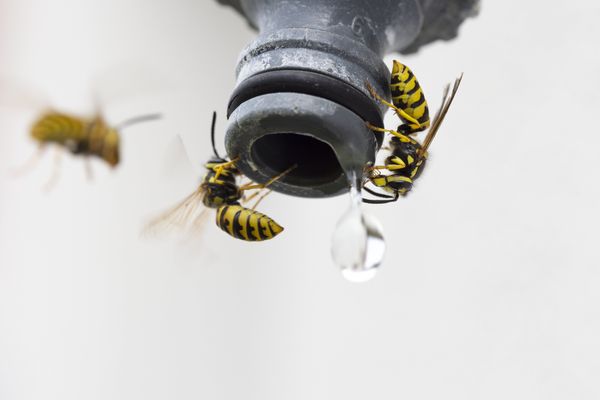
column 371, row 201
column 374, row 193
column 389, row 167
column 268, row 192
column 389, row 200
column 379, row 167
column 55, row 171
column 253, row 195
column 219, row 168
column 269, row 182
column 403, row 138
column 22, row 170
column 89, row 173
column 401, row 113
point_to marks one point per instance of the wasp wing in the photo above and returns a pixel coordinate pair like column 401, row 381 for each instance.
column 181, row 217
column 176, row 162
column 440, row 114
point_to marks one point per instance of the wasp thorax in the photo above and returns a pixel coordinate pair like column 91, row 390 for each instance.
column 221, row 191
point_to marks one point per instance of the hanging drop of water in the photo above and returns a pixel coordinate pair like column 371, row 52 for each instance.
column 358, row 245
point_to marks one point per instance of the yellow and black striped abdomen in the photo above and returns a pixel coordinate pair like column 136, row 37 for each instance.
column 243, row 223
column 409, row 97
column 59, row 128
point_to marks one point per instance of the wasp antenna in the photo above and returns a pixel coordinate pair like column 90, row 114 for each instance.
column 212, row 133
column 136, row 120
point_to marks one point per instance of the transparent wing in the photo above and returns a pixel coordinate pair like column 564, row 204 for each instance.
column 181, row 217
column 176, row 161
column 440, row 114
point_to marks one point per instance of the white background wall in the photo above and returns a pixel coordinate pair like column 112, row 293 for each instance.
column 491, row 284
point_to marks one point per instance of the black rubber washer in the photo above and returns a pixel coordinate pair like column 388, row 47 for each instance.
column 312, row 83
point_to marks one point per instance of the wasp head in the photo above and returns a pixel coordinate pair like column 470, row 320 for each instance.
column 110, row 151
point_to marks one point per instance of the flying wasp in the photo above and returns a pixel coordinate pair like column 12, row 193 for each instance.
column 81, row 136
column 408, row 156
column 88, row 137
column 219, row 190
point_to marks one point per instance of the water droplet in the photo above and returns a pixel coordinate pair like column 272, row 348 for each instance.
column 358, row 245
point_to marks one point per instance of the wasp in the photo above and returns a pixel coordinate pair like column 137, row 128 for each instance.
column 219, row 190
column 88, row 137
column 408, row 156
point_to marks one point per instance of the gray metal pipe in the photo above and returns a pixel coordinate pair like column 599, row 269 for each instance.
column 301, row 97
